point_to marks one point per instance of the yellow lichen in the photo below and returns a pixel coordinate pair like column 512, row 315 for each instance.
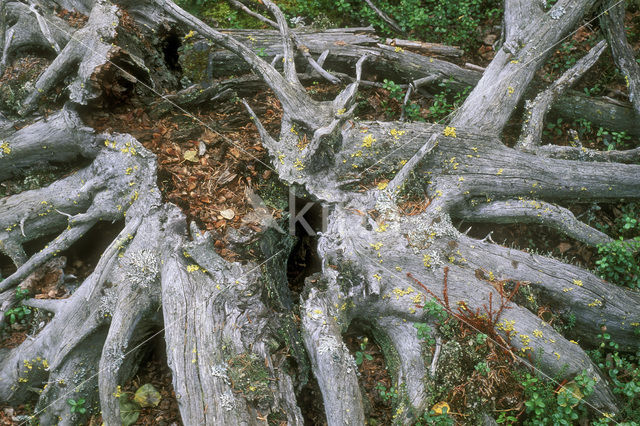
column 192, row 268
column 5, row 148
column 368, row 141
column 450, row 131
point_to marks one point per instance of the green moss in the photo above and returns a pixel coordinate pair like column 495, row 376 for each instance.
column 276, row 247
column 220, row 14
column 35, row 180
column 276, row 418
column 349, row 276
column 193, row 62
column 274, row 193
column 250, row 377
column 391, row 357
column 527, row 296
column 18, row 81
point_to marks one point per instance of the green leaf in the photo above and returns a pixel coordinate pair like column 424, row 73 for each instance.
column 129, row 411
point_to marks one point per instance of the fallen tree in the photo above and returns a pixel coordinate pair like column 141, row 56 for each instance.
column 377, row 263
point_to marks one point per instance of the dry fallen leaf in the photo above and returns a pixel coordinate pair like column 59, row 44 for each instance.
column 191, row 155
column 440, row 408
column 228, row 214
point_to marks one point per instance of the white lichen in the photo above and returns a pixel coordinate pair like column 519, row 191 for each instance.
column 423, row 234
column 220, row 371
column 142, row 268
column 557, row 12
column 227, row 401
column 327, row 344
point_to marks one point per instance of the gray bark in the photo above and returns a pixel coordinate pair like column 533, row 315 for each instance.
column 220, row 317
column 612, row 21
column 403, row 67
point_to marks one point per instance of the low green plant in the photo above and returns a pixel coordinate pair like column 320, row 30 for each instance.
column 219, row 14
column 506, row 418
column 612, row 140
column 619, row 263
column 449, row 22
column 545, row 406
column 424, row 333
column 481, row 338
column 388, row 395
column 554, row 128
column 395, row 91
column 435, row 310
column 624, row 377
column 593, row 91
column 628, row 223
column 432, row 418
column 19, row 313
column 361, row 355
column 395, row 94
column 77, row 406
column 583, row 127
column 412, row 112
column 483, row 368
column 446, row 100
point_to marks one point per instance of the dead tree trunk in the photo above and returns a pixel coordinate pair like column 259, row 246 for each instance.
column 161, row 272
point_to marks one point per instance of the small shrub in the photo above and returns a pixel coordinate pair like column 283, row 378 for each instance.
column 619, row 263
column 77, row 406
column 545, row 406
column 624, row 378
column 449, row 22
column 424, row 333
column 361, row 355
column 20, row 313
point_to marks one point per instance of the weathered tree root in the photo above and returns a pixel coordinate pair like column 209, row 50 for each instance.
column 89, row 49
column 120, row 174
column 612, row 21
column 26, row 29
column 67, row 140
column 221, row 319
column 531, row 135
column 332, row 364
column 216, row 326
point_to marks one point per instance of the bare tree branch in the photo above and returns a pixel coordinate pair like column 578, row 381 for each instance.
column 629, row 156
column 613, row 23
column 491, row 103
column 386, row 18
column 430, row 48
column 533, row 211
column 531, row 135
column 240, row 6
column 288, row 60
